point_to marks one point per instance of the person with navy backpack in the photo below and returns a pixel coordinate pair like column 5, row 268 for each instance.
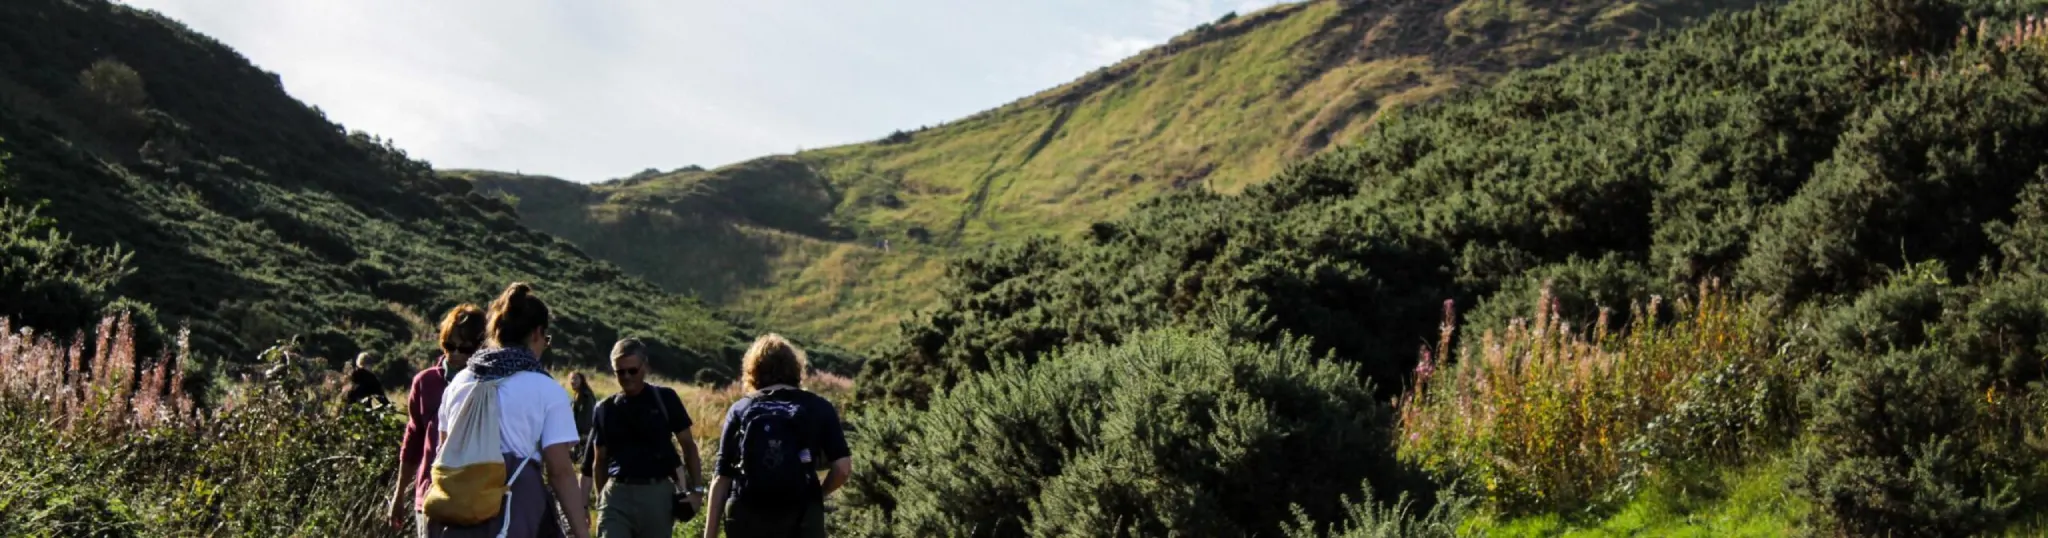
column 775, row 441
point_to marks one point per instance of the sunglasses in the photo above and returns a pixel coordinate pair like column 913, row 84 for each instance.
column 623, row 372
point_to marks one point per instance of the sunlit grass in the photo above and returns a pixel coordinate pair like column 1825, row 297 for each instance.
column 1734, row 502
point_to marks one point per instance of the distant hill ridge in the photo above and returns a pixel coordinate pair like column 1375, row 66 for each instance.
column 1221, row 107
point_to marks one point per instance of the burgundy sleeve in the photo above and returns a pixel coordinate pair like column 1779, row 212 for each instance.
column 414, row 447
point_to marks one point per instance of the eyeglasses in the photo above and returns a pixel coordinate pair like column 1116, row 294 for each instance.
column 623, row 372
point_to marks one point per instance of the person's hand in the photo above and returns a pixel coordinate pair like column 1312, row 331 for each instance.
column 395, row 514
column 695, row 499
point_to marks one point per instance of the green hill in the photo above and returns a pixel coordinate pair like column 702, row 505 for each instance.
column 1219, row 108
column 249, row 217
column 1796, row 249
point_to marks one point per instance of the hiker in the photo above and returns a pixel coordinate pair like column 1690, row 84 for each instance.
column 583, row 403
column 536, row 429
column 774, row 441
column 462, row 332
column 363, row 386
column 639, row 472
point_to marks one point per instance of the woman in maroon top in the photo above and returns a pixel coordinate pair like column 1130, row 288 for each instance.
column 462, row 332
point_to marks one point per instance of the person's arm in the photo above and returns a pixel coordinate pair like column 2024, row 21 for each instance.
column 596, row 462
column 411, row 449
column 726, row 465
column 835, row 448
column 712, row 520
column 842, row 469
column 693, row 463
column 562, row 477
column 597, row 473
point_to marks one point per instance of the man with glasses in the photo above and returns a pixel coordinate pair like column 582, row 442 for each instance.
column 638, row 470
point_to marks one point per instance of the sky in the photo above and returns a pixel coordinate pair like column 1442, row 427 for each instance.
column 590, row 90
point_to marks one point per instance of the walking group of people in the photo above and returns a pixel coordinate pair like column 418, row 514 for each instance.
column 637, row 458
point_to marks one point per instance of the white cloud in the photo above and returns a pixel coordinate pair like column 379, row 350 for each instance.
column 1109, row 50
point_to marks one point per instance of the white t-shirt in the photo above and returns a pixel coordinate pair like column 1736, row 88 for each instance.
column 533, row 410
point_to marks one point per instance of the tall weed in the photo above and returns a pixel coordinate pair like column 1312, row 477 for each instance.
column 1545, row 415
column 103, row 443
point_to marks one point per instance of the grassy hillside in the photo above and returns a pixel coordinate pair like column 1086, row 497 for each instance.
column 184, row 182
column 856, row 245
column 1800, row 245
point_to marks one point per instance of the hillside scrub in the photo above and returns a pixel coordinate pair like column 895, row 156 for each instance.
column 250, row 218
column 1172, row 432
column 1796, row 152
column 1219, row 108
column 1865, row 176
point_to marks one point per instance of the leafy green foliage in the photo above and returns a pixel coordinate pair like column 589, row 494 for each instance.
column 1369, row 519
column 1916, row 432
column 48, row 280
column 1174, row 432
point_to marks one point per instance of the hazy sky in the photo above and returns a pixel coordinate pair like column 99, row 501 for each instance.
column 595, row 89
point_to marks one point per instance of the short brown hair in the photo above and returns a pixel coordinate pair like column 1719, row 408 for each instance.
column 772, row 361
column 462, row 330
column 516, row 314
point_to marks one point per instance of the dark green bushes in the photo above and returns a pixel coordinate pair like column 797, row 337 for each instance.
column 1924, row 427
column 1806, row 153
column 1171, row 432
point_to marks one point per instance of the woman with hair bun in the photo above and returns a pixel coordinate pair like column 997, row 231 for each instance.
column 535, row 422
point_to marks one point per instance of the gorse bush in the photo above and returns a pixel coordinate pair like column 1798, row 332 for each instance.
column 1368, row 518
column 1922, row 428
column 102, row 443
column 1170, row 433
column 1783, row 150
column 1548, row 416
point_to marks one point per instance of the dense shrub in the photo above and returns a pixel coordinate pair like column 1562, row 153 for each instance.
column 1798, row 151
column 1171, row 432
column 49, row 280
column 1916, row 432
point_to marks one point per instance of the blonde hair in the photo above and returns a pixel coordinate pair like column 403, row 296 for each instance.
column 772, row 361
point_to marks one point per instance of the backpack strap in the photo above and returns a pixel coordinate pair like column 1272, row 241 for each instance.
column 506, row 514
column 661, row 403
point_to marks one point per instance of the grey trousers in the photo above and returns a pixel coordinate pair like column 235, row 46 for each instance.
column 636, row 510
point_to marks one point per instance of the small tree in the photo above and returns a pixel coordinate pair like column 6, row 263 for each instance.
column 112, row 96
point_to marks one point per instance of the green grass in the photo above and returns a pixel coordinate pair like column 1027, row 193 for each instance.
column 1751, row 501
column 1222, row 108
